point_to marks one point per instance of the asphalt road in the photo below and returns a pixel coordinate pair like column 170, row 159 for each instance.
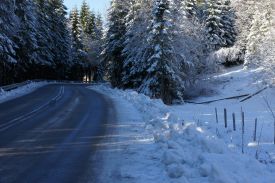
column 50, row 135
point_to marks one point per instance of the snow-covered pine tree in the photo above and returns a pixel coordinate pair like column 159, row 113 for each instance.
column 164, row 78
column 190, row 8
column 260, row 39
column 138, row 21
column 220, row 24
column 213, row 24
column 8, row 24
column 99, row 27
column 91, row 26
column 80, row 55
column 61, row 37
column 112, row 53
column 85, row 15
column 26, row 39
column 99, row 74
column 228, row 20
column 45, row 62
column 76, row 28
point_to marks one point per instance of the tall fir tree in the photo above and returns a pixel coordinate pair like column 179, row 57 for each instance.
column 99, row 27
column 8, row 24
column 76, row 28
column 220, row 24
column 114, row 41
column 85, row 15
column 135, row 64
column 26, row 39
column 228, row 19
column 78, row 47
column 61, row 36
column 164, row 79
column 190, row 8
column 44, row 38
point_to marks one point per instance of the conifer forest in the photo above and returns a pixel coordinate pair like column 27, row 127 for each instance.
column 160, row 48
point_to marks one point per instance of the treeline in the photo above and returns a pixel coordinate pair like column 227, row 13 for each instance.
column 159, row 47
column 38, row 41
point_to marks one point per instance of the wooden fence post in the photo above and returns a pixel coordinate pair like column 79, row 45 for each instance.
column 243, row 132
column 234, row 121
column 255, row 130
column 225, row 118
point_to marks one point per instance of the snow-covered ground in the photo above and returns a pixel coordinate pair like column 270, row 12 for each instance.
column 153, row 142
column 9, row 95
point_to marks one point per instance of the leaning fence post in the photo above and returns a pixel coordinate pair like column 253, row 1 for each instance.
column 225, row 118
column 255, row 130
column 234, row 121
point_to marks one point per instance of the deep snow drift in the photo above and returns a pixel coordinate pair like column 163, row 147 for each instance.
column 153, row 142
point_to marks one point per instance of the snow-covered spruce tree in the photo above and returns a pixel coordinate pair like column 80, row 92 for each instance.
column 99, row 27
column 99, row 30
column 45, row 61
column 228, row 20
column 60, row 37
column 138, row 21
column 260, row 45
column 220, row 24
column 188, row 42
column 164, row 78
column 190, row 8
column 245, row 11
column 112, row 53
column 8, row 24
column 80, row 56
column 76, row 28
column 26, row 39
column 88, row 20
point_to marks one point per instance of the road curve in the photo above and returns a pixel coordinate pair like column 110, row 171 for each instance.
column 50, row 135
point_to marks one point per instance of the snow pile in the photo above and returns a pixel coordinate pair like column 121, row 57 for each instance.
column 9, row 95
column 187, row 150
column 238, row 81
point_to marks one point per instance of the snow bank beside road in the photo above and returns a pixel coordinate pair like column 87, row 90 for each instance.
column 181, row 152
column 9, row 95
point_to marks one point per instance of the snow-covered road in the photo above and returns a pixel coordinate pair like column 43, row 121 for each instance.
column 51, row 134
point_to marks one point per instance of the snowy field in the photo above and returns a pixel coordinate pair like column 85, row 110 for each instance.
column 183, row 143
column 9, row 95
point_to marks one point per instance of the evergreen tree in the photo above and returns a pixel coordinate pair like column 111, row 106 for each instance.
column 99, row 27
column 190, row 8
column 80, row 56
column 99, row 74
column 85, row 15
column 164, row 79
column 220, row 24
column 228, row 19
column 135, row 64
column 76, row 28
column 44, row 38
column 26, row 39
column 8, row 24
column 61, row 36
column 114, row 41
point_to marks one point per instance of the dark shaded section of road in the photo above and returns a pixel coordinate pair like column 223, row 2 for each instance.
column 50, row 135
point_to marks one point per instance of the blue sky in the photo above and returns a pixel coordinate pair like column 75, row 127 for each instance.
column 96, row 5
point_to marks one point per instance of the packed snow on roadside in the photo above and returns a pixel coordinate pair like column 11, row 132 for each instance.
column 26, row 89
column 183, row 143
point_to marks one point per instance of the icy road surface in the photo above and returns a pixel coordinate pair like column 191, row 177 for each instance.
column 50, row 135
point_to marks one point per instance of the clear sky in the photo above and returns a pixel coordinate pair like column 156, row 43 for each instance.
column 100, row 6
